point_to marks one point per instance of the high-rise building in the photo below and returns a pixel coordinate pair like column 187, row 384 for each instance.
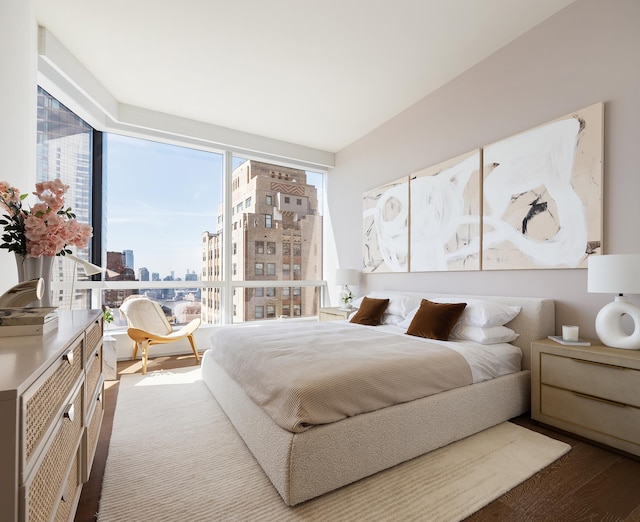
column 116, row 262
column 128, row 259
column 276, row 235
column 143, row 273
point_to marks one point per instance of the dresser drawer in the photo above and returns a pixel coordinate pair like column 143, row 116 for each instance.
column 42, row 403
column 94, row 372
column 44, row 488
column 93, row 339
column 594, row 414
column 70, row 496
column 92, row 432
column 611, row 382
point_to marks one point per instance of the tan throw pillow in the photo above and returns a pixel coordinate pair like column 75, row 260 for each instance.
column 435, row 320
column 370, row 311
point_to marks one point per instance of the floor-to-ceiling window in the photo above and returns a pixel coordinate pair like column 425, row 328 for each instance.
column 65, row 151
column 164, row 229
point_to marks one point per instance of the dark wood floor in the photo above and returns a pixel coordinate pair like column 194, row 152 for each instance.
column 590, row 483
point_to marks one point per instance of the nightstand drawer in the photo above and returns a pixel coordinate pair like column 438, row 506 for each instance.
column 614, row 383
column 594, row 414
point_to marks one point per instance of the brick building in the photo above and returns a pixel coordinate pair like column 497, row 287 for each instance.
column 276, row 235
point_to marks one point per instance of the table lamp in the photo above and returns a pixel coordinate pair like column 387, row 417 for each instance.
column 616, row 274
column 346, row 277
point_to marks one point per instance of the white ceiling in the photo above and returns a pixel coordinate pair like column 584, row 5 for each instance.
column 318, row 73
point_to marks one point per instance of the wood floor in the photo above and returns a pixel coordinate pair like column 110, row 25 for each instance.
column 589, row 483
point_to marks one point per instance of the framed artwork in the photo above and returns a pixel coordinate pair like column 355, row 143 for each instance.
column 385, row 228
column 444, row 222
column 542, row 195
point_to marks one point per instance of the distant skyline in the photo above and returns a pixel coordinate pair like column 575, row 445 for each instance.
column 171, row 196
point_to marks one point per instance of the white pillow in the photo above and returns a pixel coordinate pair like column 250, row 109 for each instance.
column 399, row 304
column 490, row 335
column 479, row 312
column 391, row 319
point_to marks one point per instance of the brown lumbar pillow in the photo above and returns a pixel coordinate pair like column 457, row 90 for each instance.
column 370, row 311
column 435, row 320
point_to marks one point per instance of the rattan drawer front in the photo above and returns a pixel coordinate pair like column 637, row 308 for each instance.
column 43, row 488
column 591, row 413
column 70, row 494
column 614, row 383
column 43, row 404
column 93, row 376
column 93, row 338
column 92, row 433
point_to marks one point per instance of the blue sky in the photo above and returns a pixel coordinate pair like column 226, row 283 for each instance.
column 160, row 198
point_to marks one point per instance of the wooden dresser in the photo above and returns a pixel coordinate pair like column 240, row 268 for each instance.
column 592, row 391
column 51, row 410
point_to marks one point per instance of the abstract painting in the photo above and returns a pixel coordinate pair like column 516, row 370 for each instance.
column 445, row 216
column 542, row 195
column 385, row 228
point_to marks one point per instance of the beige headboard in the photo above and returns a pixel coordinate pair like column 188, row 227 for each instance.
column 536, row 320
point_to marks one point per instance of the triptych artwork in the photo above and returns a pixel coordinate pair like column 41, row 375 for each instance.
column 533, row 200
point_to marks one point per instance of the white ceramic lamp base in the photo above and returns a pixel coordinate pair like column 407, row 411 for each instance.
column 609, row 324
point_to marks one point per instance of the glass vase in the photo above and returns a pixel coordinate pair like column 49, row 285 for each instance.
column 33, row 268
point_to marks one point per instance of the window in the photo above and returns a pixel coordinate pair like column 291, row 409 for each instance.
column 259, row 269
column 268, row 199
column 297, row 310
column 271, row 291
column 298, row 202
column 239, row 208
column 235, row 248
column 296, row 270
column 285, row 310
column 259, row 312
column 286, row 248
column 297, row 249
column 271, row 248
column 234, row 269
column 286, row 270
column 271, row 269
column 267, row 220
column 287, row 199
column 296, row 290
column 286, row 291
column 271, row 311
column 259, row 247
column 247, row 202
column 259, row 292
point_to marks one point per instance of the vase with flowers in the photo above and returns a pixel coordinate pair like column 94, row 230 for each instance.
column 39, row 233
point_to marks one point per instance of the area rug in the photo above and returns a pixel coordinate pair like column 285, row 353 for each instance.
column 174, row 456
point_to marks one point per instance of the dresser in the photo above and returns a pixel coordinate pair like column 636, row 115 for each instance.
column 51, row 410
column 592, row 391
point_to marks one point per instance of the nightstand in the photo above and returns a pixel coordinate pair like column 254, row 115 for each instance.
column 334, row 314
column 592, row 391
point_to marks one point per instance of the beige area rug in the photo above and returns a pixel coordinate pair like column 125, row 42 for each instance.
column 174, row 456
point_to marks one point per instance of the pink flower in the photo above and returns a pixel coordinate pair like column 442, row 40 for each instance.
column 47, row 229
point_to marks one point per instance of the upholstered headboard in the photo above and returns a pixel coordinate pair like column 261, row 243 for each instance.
column 535, row 321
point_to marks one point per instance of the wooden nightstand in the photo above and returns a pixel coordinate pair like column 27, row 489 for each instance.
column 334, row 314
column 592, row 391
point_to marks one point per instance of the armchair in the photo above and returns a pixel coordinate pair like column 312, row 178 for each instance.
column 148, row 325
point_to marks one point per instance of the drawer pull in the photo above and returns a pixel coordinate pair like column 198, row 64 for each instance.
column 68, row 357
column 599, row 399
column 594, row 363
column 69, row 412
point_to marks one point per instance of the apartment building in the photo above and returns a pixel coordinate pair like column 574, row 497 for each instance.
column 276, row 235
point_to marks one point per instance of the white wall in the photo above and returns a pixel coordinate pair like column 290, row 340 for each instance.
column 18, row 96
column 587, row 53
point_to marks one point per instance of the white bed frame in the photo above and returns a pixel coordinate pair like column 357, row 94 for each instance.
column 304, row 465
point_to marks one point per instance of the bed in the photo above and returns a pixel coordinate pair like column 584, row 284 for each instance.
column 305, row 458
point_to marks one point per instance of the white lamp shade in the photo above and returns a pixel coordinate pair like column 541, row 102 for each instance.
column 347, row 276
column 614, row 274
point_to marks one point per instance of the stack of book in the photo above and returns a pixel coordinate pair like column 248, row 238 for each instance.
column 27, row 321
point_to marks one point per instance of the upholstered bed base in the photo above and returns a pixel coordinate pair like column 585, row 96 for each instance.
column 304, row 465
